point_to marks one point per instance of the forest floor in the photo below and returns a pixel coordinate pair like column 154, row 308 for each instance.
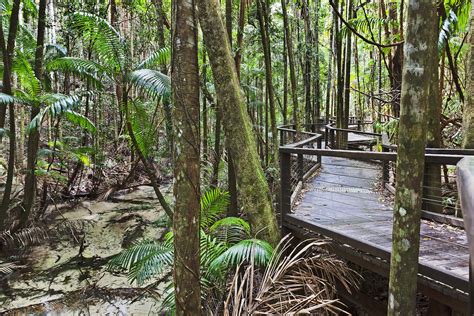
column 67, row 275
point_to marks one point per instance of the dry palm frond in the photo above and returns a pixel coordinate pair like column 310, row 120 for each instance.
column 37, row 234
column 8, row 267
column 298, row 280
column 24, row 237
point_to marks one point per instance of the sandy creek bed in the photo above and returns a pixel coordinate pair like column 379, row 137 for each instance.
column 57, row 281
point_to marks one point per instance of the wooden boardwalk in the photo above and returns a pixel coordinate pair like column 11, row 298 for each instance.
column 344, row 201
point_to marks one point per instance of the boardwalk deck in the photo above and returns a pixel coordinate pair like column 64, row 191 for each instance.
column 344, row 200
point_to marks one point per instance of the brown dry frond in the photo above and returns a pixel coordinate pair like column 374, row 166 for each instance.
column 8, row 267
column 298, row 280
column 37, row 234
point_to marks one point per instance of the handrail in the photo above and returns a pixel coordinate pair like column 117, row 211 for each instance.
column 330, row 127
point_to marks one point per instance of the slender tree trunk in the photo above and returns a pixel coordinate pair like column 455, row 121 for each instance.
column 205, row 128
column 340, row 80
column 253, row 188
column 317, row 84
column 410, row 159
column 347, row 74
column 432, row 184
column 329, row 76
column 185, row 89
column 291, row 63
column 240, row 36
column 34, row 137
column 307, row 63
column 468, row 117
column 264, row 32
column 285, row 84
column 163, row 68
column 7, row 49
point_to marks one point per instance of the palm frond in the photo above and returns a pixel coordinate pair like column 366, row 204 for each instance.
column 214, row 203
column 86, row 69
column 297, row 280
column 106, row 41
column 246, row 251
column 161, row 57
column 230, row 230
column 62, row 106
column 143, row 260
column 152, row 82
column 53, row 51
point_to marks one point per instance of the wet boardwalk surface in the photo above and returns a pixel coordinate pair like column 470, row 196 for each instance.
column 345, row 198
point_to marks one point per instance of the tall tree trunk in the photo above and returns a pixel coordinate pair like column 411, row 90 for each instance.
column 232, row 182
column 340, row 79
column 329, row 76
column 253, row 188
column 468, row 117
column 160, row 17
column 307, row 62
column 410, row 159
column 240, row 36
column 265, row 37
column 316, row 85
column 284, row 113
column 432, row 183
column 185, row 90
column 291, row 63
column 34, row 136
column 7, row 50
column 347, row 74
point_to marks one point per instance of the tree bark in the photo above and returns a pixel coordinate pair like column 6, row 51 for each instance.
column 33, row 137
column 468, row 117
column 317, row 84
column 253, row 188
column 185, row 90
column 265, row 38
column 410, row 159
column 291, row 63
column 307, row 63
column 432, row 194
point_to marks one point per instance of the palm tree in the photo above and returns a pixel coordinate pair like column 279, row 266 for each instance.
column 225, row 243
column 114, row 66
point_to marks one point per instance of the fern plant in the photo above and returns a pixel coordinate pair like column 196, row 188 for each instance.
column 225, row 243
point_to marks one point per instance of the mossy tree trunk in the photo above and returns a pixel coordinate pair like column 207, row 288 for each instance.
column 410, row 160
column 185, row 90
column 253, row 188
column 468, row 119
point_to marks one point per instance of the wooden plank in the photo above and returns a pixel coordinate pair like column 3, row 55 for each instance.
column 426, row 269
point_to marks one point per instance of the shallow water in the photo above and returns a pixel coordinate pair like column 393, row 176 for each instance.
column 58, row 280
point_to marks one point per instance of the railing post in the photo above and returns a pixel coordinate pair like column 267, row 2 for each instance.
column 319, row 147
column 300, row 167
column 282, row 137
column 285, row 188
column 331, row 139
column 465, row 184
column 326, row 136
column 385, row 168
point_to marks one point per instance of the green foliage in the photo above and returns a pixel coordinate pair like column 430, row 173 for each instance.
column 224, row 244
column 151, row 82
column 213, row 203
column 160, row 57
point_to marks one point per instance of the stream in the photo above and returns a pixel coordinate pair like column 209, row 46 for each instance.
column 68, row 276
